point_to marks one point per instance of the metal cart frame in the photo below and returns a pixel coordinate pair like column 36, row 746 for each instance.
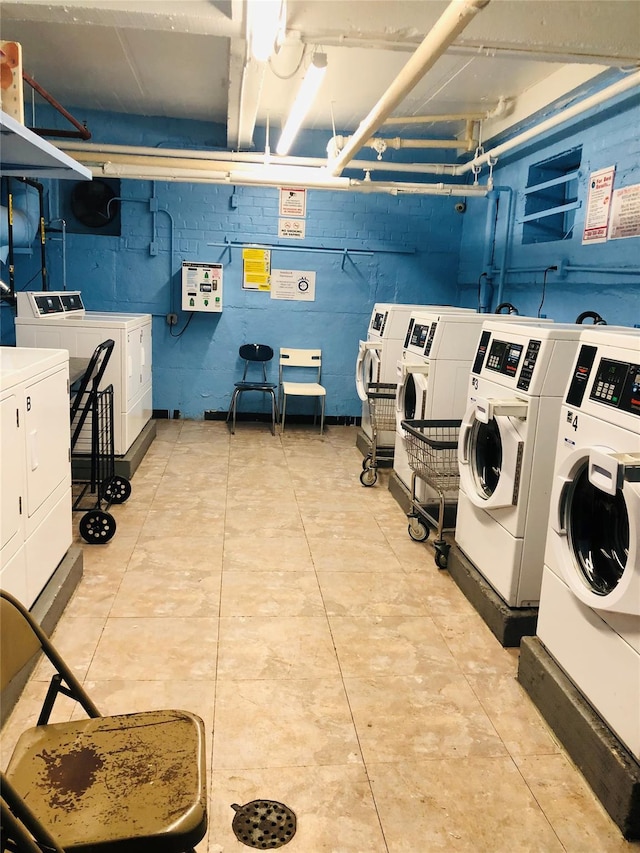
column 92, row 442
column 432, row 448
column 381, row 397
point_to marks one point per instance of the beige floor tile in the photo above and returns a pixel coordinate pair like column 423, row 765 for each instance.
column 388, row 645
column 282, row 723
column 473, row 645
column 270, row 594
column 466, row 805
column 331, row 524
column 76, row 639
column 253, row 520
column 183, row 551
column 157, row 649
column 95, row 594
column 402, row 718
column 514, row 716
column 185, row 593
column 181, row 520
column 370, row 594
column 113, row 554
column 334, row 808
column 276, row 647
column 331, row 555
column 570, row 805
column 270, row 550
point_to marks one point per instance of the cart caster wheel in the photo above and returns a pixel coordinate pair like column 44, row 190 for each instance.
column 417, row 530
column 97, row 527
column 369, row 477
column 366, row 462
column 441, row 557
column 118, row 490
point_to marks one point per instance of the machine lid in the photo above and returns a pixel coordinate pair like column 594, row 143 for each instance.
column 597, row 526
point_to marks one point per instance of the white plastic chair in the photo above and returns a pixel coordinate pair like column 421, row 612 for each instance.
column 301, row 358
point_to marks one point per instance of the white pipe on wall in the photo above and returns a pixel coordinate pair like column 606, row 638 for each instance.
column 451, row 23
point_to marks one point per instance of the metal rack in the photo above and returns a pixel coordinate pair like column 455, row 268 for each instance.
column 96, row 485
column 432, row 448
column 381, row 397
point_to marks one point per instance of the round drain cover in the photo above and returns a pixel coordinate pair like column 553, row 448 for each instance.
column 263, row 824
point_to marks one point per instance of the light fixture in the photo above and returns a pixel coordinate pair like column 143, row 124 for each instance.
column 305, row 97
column 265, row 19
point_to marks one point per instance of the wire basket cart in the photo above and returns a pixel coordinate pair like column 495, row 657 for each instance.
column 95, row 483
column 381, row 397
column 432, row 448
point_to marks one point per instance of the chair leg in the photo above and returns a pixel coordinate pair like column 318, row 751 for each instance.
column 284, row 409
column 232, row 410
column 322, row 417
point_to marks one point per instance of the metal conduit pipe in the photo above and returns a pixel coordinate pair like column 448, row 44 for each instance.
column 96, row 154
column 450, row 24
column 623, row 85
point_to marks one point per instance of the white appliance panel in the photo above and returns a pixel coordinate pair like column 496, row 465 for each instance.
column 11, row 474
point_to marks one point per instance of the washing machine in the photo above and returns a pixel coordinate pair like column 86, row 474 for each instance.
column 432, row 374
column 589, row 614
column 378, row 355
column 60, row 320
column 517, row 382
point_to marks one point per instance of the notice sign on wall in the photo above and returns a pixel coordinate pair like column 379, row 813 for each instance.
column 256, row 268
column 294, row 229
column 596, row 221
column 293, row 284
column 293, row 202
column 625, row 213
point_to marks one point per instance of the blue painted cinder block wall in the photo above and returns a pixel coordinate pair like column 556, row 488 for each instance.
column 609, row 137
column 410, row 246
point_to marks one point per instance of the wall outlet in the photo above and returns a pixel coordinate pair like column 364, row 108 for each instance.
column 153, row 248
column 172, row 319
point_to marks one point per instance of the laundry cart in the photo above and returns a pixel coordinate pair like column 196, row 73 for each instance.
column 95, row 483
column 432, row 450
column 381, row 397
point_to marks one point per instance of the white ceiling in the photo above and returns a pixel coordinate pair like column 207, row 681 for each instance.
column 189, row 59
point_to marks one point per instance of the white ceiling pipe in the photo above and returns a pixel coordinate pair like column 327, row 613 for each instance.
column 623, row 85
column 450, row 24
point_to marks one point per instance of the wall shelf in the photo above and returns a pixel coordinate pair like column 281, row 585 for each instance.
column 24, row 154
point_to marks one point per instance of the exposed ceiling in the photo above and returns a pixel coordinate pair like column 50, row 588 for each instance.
column 190, row 59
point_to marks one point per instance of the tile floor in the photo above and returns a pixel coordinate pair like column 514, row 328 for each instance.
column 253, row 580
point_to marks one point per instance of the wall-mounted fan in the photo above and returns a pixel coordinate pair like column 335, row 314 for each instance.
column 93, row 203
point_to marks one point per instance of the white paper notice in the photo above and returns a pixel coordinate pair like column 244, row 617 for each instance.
column 596, row 221
column 625, row 213
column 293, row 284
column 293, row 202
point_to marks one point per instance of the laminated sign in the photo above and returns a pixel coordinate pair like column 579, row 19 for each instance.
column 293, row 284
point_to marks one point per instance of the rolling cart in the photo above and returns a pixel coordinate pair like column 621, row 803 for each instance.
column 92, row 452
column 381, row 397
column 432, row 448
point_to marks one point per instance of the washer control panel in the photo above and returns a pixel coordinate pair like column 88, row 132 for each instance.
column 617, row 383
column 504, row 357
column 530, row 358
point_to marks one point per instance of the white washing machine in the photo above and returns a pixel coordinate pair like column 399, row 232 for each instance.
column 59, row 319
column 433, row 372
column 516, row 385
column 378, row 355
column 589, row 615
column 35, row 471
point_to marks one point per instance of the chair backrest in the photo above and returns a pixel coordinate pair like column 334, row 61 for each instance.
column 301, row 358
column 258, row 354
column 20, row 638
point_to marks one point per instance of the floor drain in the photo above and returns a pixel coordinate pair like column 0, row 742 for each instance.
column 263, row 824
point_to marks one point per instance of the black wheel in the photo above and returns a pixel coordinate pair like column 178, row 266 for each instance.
column 118, row 490
column 418, row 531
column 441, row 556
column 97, row 527
column 366, row 462
column 369, row 477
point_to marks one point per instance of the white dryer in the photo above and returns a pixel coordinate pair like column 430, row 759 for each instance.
column 379, row 354
column 589, row 615
column 59, row 320
column 433, row 372
column 516, row 386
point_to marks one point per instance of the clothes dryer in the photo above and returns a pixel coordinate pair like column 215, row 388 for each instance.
column 433, row 372
column 59, row 320
column 378, row 355
column 589, row 615
column 516, row 385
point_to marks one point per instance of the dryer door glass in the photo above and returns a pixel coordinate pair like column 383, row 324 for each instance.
column 598, row 528
column 485, row 456
column 409, row 397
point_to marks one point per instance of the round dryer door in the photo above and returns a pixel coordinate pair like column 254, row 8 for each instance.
column 598, row 522
column 490, row 456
